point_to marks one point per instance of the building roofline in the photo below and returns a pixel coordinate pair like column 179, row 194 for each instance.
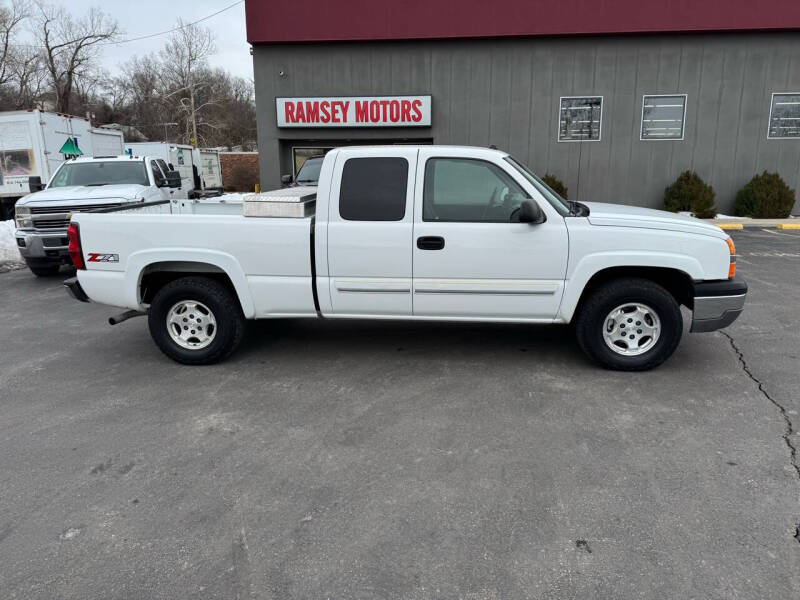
column 288, row 21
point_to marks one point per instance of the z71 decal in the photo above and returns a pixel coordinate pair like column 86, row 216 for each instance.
column 97, row 257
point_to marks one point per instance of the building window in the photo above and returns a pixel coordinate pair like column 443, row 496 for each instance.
column 374, row 189
column 784, row 116
column 663, row 117
column 470, row 191
column 580, row 118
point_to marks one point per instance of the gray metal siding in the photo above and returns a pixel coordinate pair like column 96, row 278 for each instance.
column 506, row 93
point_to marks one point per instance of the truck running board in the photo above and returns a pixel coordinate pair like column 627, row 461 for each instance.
column 128, row 314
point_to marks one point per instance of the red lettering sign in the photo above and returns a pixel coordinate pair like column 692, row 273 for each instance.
column 363, row 111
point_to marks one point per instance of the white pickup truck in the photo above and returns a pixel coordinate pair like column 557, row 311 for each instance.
column 85, row 183
column 407, row 232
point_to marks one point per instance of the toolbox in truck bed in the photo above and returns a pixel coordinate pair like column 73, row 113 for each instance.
column 296, row 202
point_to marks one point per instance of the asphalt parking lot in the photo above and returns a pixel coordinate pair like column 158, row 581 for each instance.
column 351, row 460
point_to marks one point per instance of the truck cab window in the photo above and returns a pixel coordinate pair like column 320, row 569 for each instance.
column 468, row 190
column 374, row 189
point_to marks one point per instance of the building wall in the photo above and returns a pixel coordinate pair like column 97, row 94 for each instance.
column 239, row 170
column 506, row 92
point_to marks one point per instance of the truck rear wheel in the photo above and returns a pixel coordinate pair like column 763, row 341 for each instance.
column 629, row 325
column 196, row 321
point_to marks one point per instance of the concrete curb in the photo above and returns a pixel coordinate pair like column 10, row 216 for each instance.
column 746, row 222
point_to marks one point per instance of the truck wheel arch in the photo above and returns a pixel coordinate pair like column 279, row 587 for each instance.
column 677, row 282
column 147, row 277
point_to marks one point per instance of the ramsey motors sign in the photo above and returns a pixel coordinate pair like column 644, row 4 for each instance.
column 355, row 111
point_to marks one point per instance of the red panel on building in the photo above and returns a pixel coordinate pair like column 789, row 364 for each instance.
column 276, row 21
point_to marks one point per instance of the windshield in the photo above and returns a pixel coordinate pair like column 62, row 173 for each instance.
column 309, row 172
column 100, row 173
column 550, row 195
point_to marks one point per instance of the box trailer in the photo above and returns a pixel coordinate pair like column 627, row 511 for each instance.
column 177, row 156
column 34, row 143
column 106, row 142
column 209, row 170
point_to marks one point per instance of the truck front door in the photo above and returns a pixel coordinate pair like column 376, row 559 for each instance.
column 471, row 259
column 370, row 227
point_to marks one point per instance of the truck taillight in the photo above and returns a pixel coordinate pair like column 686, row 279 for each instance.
column 732, row 264
column 74, row 246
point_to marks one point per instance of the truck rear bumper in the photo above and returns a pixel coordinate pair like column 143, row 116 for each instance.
column 717, row 304
column 75, row 290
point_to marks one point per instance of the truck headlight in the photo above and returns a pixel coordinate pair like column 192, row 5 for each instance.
column 22, row 215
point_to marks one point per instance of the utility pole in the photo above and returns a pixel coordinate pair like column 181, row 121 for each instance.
column 166, row 136
column 194, row 116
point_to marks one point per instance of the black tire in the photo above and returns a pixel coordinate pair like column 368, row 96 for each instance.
column 220, row 301
column 591, row 321
column 44, row 269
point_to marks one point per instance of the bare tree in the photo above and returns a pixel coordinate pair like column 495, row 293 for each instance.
column 185, row 60
column 70, row 47
column 10, row 20
column 27, row 81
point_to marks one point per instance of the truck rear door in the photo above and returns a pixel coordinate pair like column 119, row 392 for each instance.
column 370, row 227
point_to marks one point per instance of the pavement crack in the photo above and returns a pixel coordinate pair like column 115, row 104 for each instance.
column 789, row 429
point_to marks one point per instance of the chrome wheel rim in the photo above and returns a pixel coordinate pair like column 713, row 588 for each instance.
column 191, row 324
column 631, row 329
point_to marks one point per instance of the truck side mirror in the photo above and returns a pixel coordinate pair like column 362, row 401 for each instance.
column 530, row 212
column 35, row 183
column 286, row 179
column 173, row 179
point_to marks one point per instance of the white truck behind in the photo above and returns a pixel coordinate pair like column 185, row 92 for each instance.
column 86, row 183
column 411, row 232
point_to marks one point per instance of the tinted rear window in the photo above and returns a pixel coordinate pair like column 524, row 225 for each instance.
column 374, row 189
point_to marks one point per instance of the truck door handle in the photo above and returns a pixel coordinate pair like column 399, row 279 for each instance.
column 430, row 242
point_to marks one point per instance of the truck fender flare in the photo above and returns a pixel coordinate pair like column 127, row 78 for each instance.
column 592, row 264
column 139, row 261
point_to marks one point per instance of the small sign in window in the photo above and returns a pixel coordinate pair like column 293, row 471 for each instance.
column 663, row 117
column 580, row 118
column 784, row 116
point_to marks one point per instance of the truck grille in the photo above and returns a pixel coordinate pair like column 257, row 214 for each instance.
column 52, row 222
column 49, row 218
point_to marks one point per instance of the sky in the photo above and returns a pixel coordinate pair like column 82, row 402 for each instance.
column 143, row 17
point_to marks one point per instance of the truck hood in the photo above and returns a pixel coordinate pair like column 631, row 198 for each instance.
column 125, row 192
column 619, row 215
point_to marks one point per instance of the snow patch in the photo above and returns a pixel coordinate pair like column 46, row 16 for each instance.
column 9, row 255
column 232, row 198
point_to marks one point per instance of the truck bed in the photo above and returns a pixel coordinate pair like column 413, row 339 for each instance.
column 266, row 259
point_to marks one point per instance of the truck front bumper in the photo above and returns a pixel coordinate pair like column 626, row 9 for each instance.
column 38, row 246
column 717, row 304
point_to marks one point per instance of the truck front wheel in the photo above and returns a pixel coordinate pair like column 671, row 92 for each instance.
column 629, row 325
column 196, row 321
